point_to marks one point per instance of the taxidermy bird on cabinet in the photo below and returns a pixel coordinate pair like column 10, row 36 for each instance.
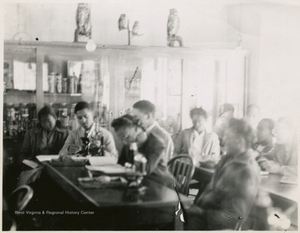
column 122, row 22
column 83, row 31
column 172, row 28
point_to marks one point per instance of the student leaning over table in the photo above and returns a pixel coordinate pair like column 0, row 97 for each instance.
column 152, row 147
column 196, row 141
column 74, row 143
column 144, row 111
column 47, row 139
column 230, row 195
column 283, row 158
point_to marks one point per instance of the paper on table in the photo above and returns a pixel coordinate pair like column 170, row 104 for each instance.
column 100, row 161
column 43, row 158
column 110, row 169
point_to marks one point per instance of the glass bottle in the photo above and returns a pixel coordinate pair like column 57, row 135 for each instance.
column 65, row 85
column 79, row 84
column 51, row 81
column 58, row 83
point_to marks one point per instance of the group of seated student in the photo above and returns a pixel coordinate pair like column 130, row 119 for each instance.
column 238, row 156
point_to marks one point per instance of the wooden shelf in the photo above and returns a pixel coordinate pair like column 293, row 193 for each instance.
column 62, row 94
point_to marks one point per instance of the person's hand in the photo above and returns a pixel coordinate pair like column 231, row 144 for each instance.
column 272, row 167
column 73, row 149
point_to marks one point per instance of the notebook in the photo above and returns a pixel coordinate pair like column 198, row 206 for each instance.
column 100, row 161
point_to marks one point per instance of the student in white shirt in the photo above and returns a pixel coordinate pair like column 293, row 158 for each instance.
column 196, row 141
column 74, row 142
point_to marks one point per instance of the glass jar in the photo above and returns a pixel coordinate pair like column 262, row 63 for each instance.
column 51, row 81
column 58, row 83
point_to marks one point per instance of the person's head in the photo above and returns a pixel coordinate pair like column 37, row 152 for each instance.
column 239, row 136
column 252, row 115
column 144, row 111
column 127, row 129
column 84, row 114
column 265, row 130
column 226, row 111
column 284, row 131
column 198, row 117
column 47, row 118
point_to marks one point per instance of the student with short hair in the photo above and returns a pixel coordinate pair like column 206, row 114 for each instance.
column 129, row 131
column 228, row 199
column 283, row 158
column 196, row 141
column 144, row 111
column 74, row 142
column 46, row 139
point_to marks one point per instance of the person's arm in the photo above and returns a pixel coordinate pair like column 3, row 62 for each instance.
column 178, row 144
column 154, row 157
column 122, row 158
column 70, row 147
column 110, row 145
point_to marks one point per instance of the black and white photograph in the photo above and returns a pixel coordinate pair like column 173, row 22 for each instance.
column 150, row 115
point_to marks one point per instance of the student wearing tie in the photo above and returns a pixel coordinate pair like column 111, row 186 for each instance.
column 196, row 141
column 87, row 131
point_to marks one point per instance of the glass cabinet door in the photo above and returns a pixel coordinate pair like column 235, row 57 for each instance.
column 70, row 78
column 19, row 82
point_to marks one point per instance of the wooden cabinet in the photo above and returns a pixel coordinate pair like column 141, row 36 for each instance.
column 175, row 79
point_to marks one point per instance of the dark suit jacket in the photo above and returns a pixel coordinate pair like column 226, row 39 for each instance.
column 229, row 196
column 153, row 150
column 33, row 139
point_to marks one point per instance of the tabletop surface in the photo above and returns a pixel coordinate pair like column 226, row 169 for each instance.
column 155, row 194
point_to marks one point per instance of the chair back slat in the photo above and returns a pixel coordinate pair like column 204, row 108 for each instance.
column 182, row 168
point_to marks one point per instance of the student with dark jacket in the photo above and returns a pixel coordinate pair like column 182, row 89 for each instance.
column 47, row 139
column 230, row 195
column 149, row 145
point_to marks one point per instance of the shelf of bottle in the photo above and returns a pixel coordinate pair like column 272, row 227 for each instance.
column 62, row 94
column 19, row 92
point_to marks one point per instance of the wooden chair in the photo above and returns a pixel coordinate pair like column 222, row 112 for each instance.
column 20, row 197
column 182, row 168
column 17, row 201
